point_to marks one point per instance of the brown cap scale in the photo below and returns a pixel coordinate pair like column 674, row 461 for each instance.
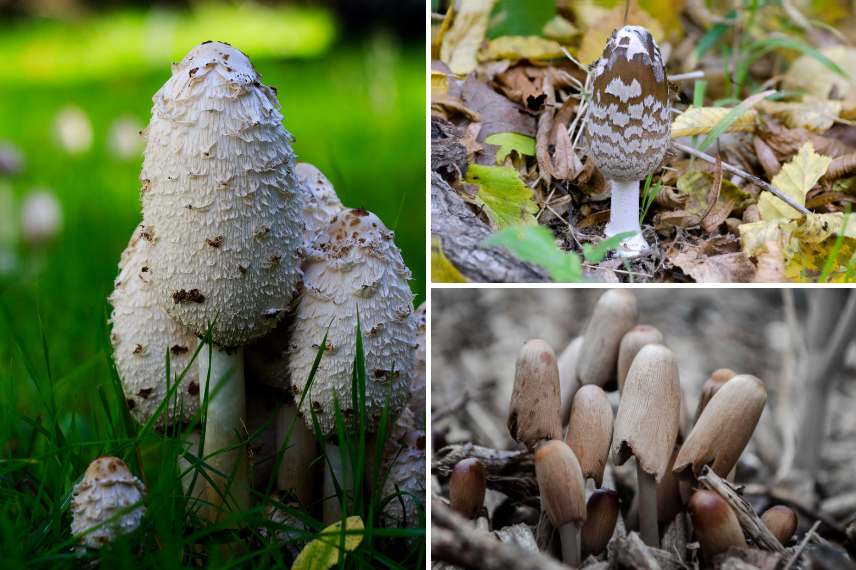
column 711, row 386
column 602, row 515
column 724, row 428
column 614, row 314
column 646, row 427
column 563, row 495
column 533, row 415
column 590, row 431
column 715, row 524
column 629, row 123
column 781, row 521
column 467, row 487
column 631, row 343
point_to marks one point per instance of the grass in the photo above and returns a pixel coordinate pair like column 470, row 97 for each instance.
column 357, row 113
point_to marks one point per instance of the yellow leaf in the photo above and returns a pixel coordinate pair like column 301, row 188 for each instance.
column 560, row 29
column 438, row 32
column 439, row 83
column 754, row 235
column 462, row 41
column 805, row 261
column 701, row 120
column 515, row 48
column 667, row 12
column 795, row 179
column 323, row 552
column 811, row 113
column 599, row 25
column 819, row 227
column 811, row 76
column 442, row 270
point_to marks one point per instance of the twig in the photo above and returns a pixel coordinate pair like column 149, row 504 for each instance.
column 455, row 541
column 749, row 521
column 741, row 173
column 802, row 545
column 686, row 76
column 456, row 405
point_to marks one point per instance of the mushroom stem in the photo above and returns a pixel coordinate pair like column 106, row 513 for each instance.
column 336, row 469
column 624, row 217
column 647, row 507
column 221, row 375
column 570, row 536
column 296, row 469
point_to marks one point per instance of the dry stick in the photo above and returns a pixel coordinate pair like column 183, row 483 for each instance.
column 750, row 177
column 455, row 541
column 811, row 532
column 749, row 521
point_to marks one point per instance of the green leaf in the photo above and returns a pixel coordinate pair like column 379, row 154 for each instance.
column 323, row 552
column 504, row 196
column 507, row 142
column 536, row 244
column 520, row 17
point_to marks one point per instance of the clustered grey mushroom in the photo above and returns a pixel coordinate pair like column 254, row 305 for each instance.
column 254, row 253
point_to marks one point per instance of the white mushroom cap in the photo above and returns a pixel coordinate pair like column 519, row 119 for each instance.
column 107, row 488
column 354, row 267
column 405, row 471
column 142, row 333
column 321, row 202
column 221, row 202
column 41, row 217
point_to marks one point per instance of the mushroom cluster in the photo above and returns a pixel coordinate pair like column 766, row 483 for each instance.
column 614, row 396
column 245, row 261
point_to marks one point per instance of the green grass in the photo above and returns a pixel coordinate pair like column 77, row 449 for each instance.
column 357, row 113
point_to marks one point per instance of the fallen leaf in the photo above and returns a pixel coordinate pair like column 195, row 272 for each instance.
column 515, row 48
column 323, row 552
column 498, row 114
column 725, row 268
column 771, row 264
column 599, row 25
column 811, row 76
column 701, row 120
column 508, row 142
column 754, row 236
column 811, row 113
column 505, row 198
column 464, row 38
column 554, row 148
column 439, row 83
column 795, row 179
column 560, row 29
column 442, row 270
column 516, row 18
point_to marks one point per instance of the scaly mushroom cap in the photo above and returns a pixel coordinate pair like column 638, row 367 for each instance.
column 406, row 472
column 715, row 524
column 649, row 413
column 533, row 415
column 602, row 514
column 107, row 488
column 711, row 386
column 142, row 333
column 354, row 266
column 629, row 122
column 467, row 487
column 560, row 480
column 631, row 343
column 418, row 389
column 590, row 431
column 222, row 206
column 725, row 427
column 568, row 381
column 781, row 521
column 321, row 202
column 614, row 314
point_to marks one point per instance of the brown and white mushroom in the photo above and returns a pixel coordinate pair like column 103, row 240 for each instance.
column 614, row 314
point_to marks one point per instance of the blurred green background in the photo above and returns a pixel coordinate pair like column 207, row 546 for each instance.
column 77, row 86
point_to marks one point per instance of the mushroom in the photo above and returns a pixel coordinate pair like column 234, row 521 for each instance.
column 711, row 386
column 568, row 381
column 41, row 218
column 354, row 270
column 725, row 427
column 631, row 343
column 602, row 514
column 629, row 125
column 404, row 483
column 646, row 427
column 614, row 314
column 107, row 503
column 563, row 494
column 321, row 202
column 467, row 487
column 670, row 502
column 533, row 415
column 590, row 431
column 222, row 213
column 781, row 521
column 715, row 524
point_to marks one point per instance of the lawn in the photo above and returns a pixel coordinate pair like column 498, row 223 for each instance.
column 356, row 111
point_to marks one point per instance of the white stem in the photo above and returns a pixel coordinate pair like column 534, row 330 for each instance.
column 224, row 426
column 624, row 217
column 297, row 471
column 336, row 466
column 570, row 536
column 647, row 486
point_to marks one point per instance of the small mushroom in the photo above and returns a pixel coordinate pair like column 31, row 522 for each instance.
column 563, row 494
column 646, row 427
column 602, row 509
column 629, row 125
column 533, row 415
column 614, row 314
column 715, row 524
column 568, row 381
column 467, row 487
column 631, row 343
column 711, row 386
column 590, row 431
column 320, row 203
column 781, row 521
column 41, row 218
column 725, row 427
column 108, row 488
